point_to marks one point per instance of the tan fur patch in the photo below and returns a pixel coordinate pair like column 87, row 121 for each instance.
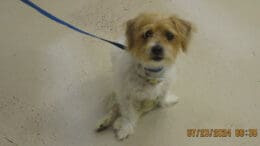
column 159, row 25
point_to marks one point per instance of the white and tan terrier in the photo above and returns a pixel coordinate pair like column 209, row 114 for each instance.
column 143, row 73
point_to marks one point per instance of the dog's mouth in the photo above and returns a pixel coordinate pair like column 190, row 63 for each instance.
column 157, row 58
column 153, row 69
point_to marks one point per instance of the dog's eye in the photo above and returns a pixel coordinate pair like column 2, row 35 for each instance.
column 169, row 36
column 148, row 34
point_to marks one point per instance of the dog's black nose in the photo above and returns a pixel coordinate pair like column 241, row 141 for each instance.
column 157, row 50
column 157, row 53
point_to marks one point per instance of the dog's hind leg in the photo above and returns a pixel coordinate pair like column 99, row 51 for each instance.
column 111, row 116
column 107, row 120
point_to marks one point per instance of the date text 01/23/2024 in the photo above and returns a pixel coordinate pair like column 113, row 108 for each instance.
column 221, row 132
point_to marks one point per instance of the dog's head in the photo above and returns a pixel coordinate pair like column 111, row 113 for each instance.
column 155, row 39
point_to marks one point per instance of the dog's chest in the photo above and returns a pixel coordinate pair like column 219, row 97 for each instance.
column 138, row 88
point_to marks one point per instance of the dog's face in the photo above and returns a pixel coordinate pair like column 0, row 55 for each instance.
column 155, row 40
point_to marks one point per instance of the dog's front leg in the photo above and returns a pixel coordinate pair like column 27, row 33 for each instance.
column 168, row 99
column 124, row 125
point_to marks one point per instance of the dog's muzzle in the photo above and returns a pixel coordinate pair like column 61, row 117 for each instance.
column 157, row 53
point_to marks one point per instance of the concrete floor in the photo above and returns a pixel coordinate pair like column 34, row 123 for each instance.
column 53, row 80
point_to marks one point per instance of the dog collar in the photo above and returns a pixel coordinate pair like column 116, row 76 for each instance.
column 151, row 75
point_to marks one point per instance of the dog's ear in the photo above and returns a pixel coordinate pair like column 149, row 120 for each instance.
column 184, row 29
column 130, row 29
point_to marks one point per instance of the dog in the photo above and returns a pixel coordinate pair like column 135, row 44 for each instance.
column 143, row 72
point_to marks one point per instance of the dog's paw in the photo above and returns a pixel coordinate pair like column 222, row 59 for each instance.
column 102, row 125
column 123, row 128
column 123, row 133
column 169, row 100
column 107, row 120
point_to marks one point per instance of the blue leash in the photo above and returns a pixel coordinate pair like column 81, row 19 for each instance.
column 54, row 18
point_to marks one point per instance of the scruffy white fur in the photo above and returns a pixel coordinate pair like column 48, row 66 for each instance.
column 144, row 71
column 129, row 88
